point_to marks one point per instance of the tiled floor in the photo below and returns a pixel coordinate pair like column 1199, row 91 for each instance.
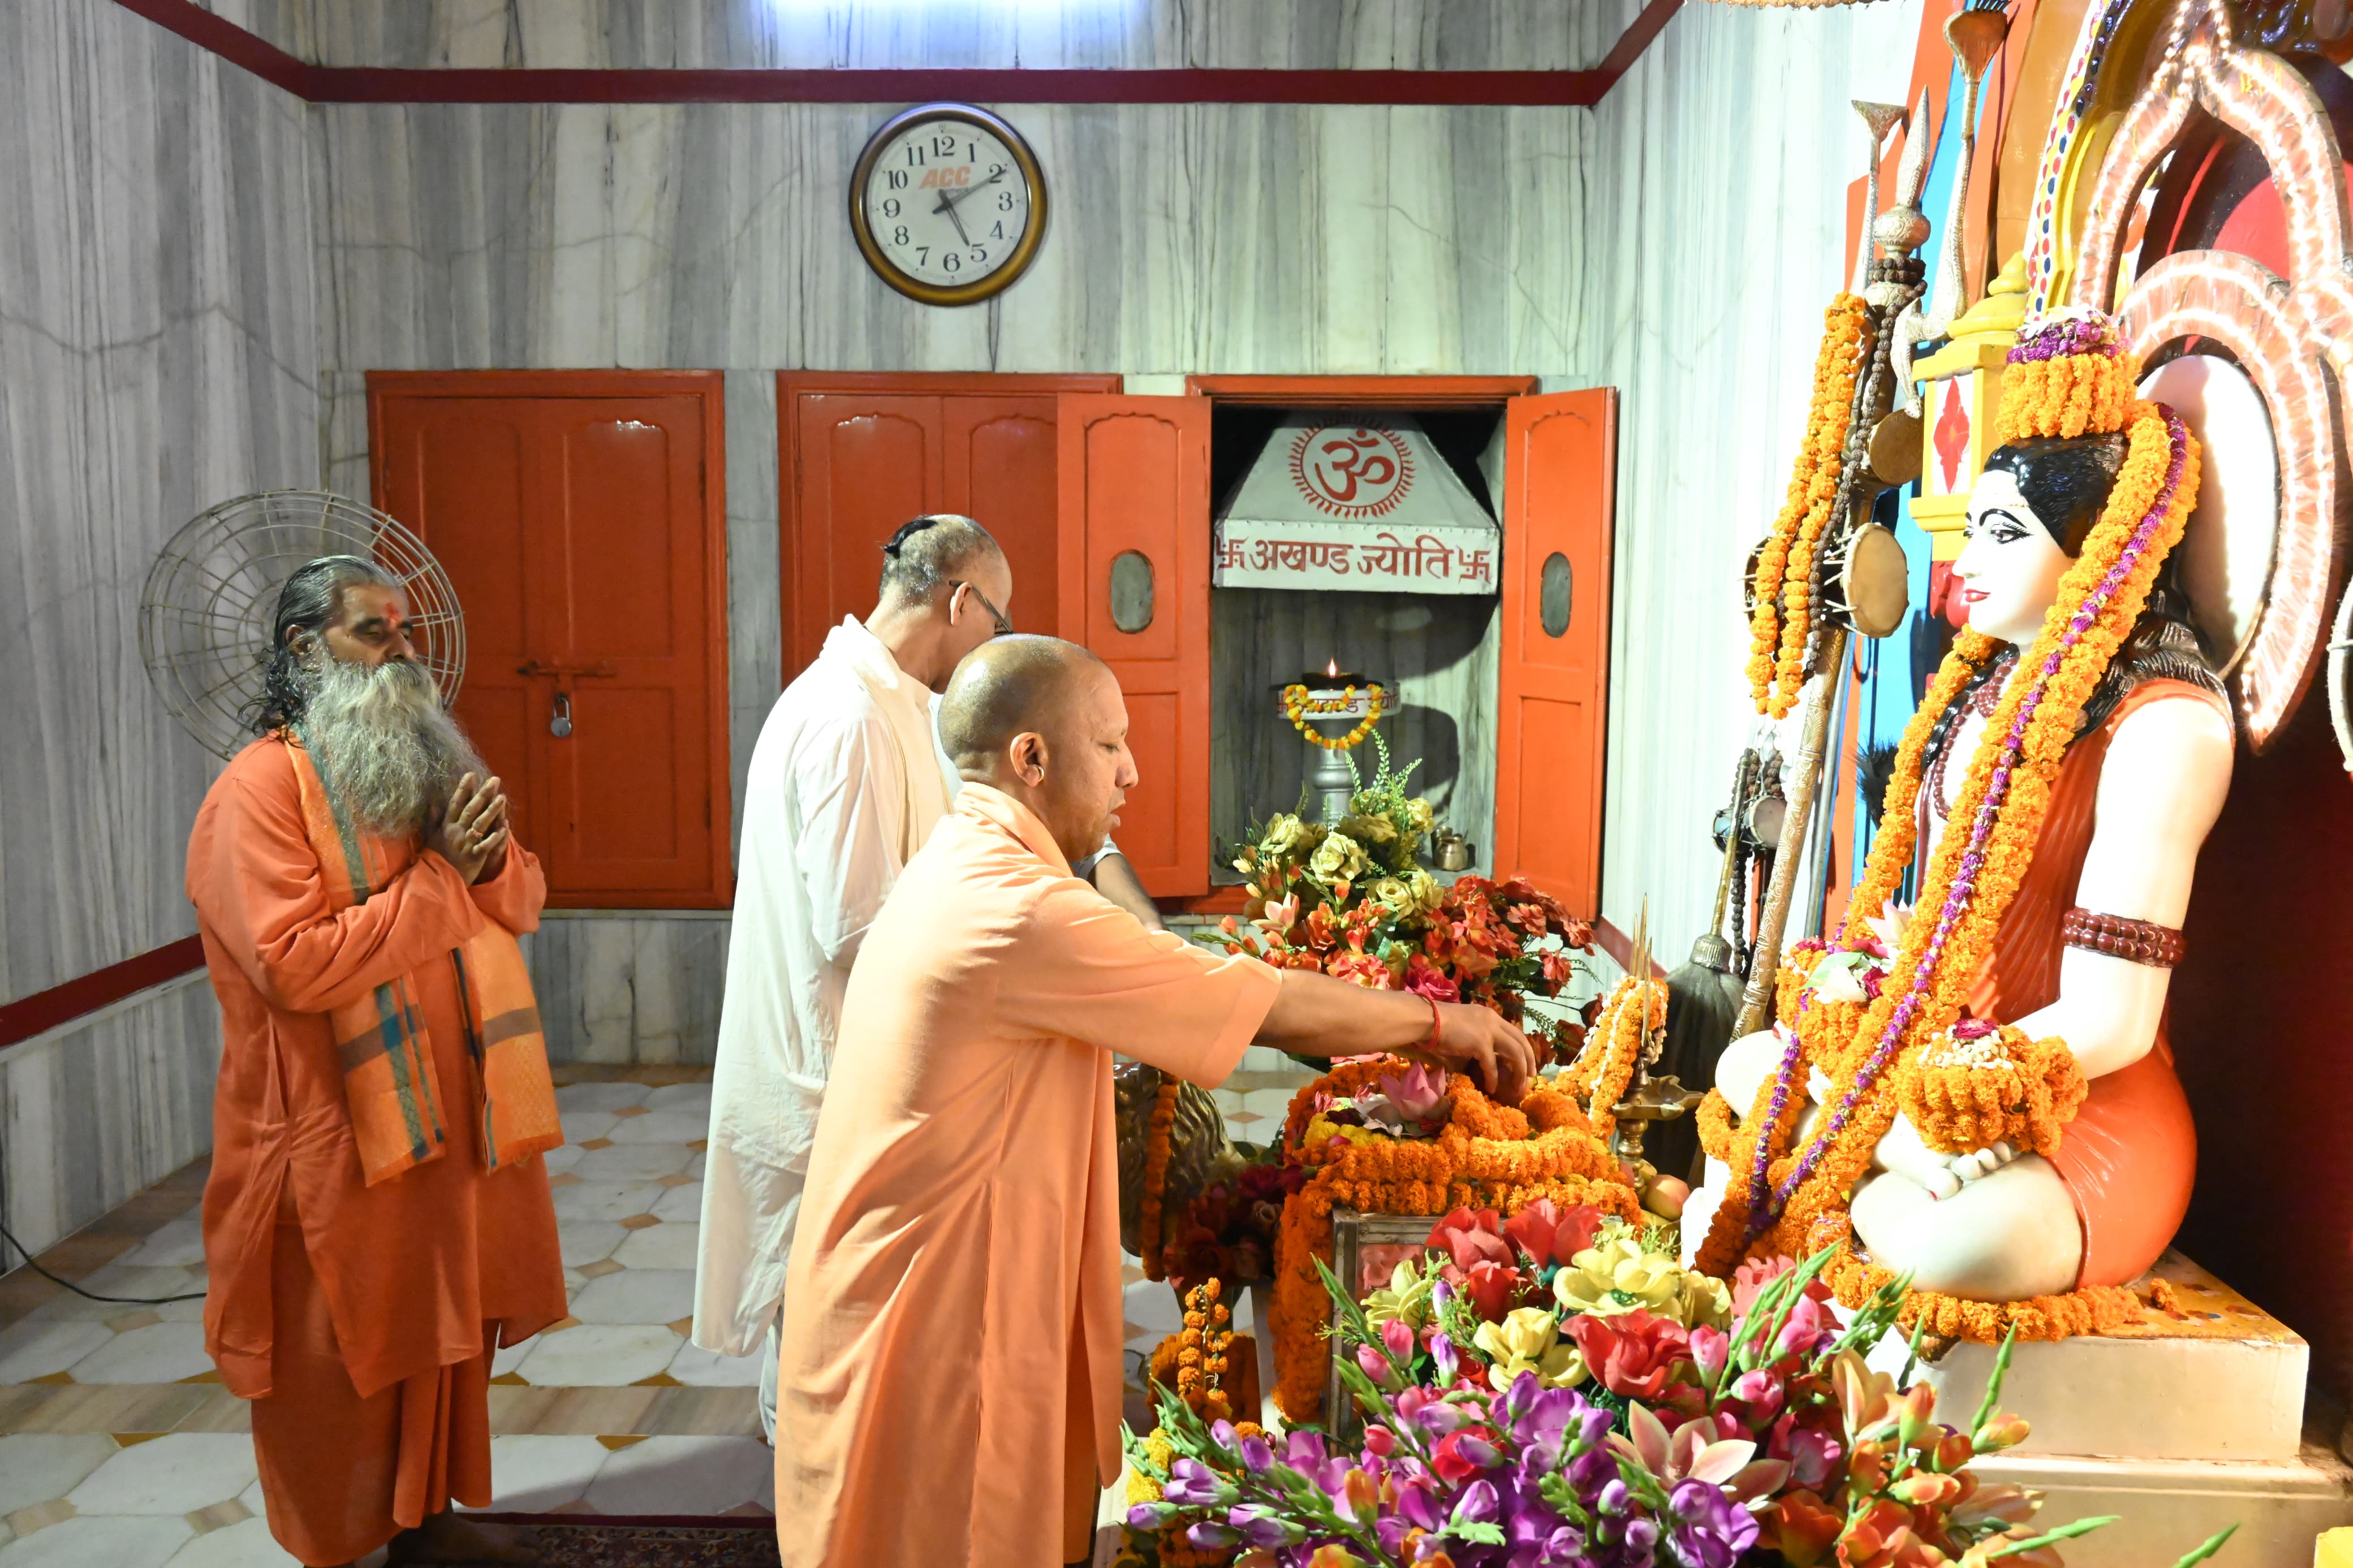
column 119, row 1447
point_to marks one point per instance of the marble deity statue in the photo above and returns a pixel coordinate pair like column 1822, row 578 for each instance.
column 2056, row 787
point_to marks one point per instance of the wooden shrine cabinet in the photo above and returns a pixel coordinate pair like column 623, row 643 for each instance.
column 1135, row 543
column 580, row 516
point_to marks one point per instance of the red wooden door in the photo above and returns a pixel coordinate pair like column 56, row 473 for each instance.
column 1559, row 474
column 1134, row 479
column 580, row 517
column 868, row 463
column 862, row 452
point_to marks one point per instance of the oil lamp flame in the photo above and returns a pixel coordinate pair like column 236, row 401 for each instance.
column 1332, row 667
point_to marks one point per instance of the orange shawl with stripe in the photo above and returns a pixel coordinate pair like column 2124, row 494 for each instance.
column 389, row 1084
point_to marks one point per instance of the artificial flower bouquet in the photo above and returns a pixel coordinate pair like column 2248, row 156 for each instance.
column 1228, row 1231
column 1619, row 1410
column 1379, row 1137
column 1353, row 901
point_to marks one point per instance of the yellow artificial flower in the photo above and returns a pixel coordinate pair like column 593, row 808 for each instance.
column 1286, row 837
column 1426, row 893
column 1371, row 829
column 1421, row 815
column 1406, row 1300
column 1393, row 894
column 1617, row 1275
column 1528, row 1340
column 1338, row 859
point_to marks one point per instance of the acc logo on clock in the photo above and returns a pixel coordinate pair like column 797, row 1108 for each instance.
column 1351, row 472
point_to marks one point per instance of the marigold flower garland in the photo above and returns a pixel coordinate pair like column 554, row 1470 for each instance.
column 1780, row 619
column 1155, row 1177
column 1969, row 1089
column 1488, row 1156
column 2077, row 378
column 1294, row 708
column 1605, row 1067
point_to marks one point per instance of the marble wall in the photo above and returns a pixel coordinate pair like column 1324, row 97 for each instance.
column 1716, row 233
column 618, row 987
column 1402, row 35
column 158, row 353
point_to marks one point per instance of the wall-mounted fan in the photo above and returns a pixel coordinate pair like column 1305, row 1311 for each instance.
column 205, row 615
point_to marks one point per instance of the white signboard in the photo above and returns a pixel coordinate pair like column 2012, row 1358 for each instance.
column 1358, row 502
column 1443, row 559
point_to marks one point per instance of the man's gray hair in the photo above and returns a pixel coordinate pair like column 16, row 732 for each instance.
column 929, row 550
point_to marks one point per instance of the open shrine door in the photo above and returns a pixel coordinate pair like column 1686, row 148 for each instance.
column 1559, row 495
column 1133, row 541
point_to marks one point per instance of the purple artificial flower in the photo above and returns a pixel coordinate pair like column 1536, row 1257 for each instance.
column 1151, row 1515
column 1439, row 1418
column 1813, row 1456
column 1615, row 1497
column 1306, row 1450
column 1441, row 1295
column 1192, row 1484
column 1441, row 1350
column 1222, row 1434
column 1477, row 1505
column 1259, row 1528
column 1257, row 1457
column 1211, row 1536
column 1710, row 1530
column 1417, row 1504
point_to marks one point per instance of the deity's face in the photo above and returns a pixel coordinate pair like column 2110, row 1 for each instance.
column 2009, row 570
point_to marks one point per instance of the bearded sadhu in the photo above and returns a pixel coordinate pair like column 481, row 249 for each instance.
column 377, row 1220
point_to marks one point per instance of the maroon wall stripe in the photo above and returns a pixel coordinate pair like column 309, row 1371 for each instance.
column 374, row 84
column 27, row 1016
column 229, row 41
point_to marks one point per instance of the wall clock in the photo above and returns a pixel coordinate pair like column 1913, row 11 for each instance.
column 947, row 204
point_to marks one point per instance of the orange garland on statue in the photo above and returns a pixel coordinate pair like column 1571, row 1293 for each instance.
column 1780, row 621
column 1488, row 1156
column 2002, row 1085
column 1156, row 1175
column 1802, row 1194
column 1606, row 1066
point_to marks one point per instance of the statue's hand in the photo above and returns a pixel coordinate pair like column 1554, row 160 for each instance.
column 1982, row 1162
column 1901, row 1152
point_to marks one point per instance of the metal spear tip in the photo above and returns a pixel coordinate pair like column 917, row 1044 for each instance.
column 1975, row 36
column 1881, row 117
column 1912, row 174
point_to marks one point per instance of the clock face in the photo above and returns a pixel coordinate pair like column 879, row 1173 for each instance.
column 947, row 204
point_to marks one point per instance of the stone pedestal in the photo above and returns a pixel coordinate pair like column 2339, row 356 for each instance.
column 2182, row 1424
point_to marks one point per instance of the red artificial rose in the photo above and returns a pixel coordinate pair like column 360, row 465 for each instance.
column 1550, row 1234
column 1423, row 980
column 1461, row 1454
column 1633, row 1353
column 1492, row 1288
column 1469, row 1235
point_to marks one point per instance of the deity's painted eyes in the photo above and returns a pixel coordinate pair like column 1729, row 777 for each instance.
column 2001, row 527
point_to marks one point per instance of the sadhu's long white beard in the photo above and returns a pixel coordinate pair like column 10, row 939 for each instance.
column 387, row 747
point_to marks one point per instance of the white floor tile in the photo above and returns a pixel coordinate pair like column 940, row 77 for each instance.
column 605, row 1097
column 563, row 1157
column 695, row 1170
column 245, row 1545
column 137, row 1543
column 607, row 1200
column 172, row 1246
column 700, row 1368
column 160, row 1353
column 636, row 1296
column 581, row 1126
column 41, row 1467
column 505, row 1360
column 600, row 1355
column 531, row 1474
column 632, row 1162
column 1151, row 1304
column 252, row 1497
column 177, row 1473
column 680, row 1203
column 667, row 1245
column 38, row 1347
column 586, row 1241
column 1273, row 1104
column 674, row 1126
column 140, row 1284
column 681, row 1476
column 694, row 1097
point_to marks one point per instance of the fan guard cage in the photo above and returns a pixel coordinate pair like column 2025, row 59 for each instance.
column 206, row 613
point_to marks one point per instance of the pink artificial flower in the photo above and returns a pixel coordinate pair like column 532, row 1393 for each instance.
column 1748, row 1282
column 1424, row 980
column 1470, row 1234
column 1633, row 1353
column 1416, row 1094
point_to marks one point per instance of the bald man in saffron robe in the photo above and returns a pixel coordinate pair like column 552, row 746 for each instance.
column 377, row 1220
column 950, row 1381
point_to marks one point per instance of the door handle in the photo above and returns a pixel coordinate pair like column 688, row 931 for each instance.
column 559, row 720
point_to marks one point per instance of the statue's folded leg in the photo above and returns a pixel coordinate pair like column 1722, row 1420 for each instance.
column 2003, row 1238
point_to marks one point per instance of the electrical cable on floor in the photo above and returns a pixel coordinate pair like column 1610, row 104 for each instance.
column 91, row 1295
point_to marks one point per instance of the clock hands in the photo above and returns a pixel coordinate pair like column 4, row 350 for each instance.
column 948, row 207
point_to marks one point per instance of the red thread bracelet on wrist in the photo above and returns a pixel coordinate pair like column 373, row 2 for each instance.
column 1436, row 1029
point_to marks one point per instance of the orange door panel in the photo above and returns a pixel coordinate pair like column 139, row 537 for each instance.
column 1001, row 472
column 580, row 517
column 868, row 463
column 1134, row 522
column 1560, row 465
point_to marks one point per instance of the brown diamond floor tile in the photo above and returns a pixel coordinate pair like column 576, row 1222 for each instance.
column 637, row 1222
column 600, row 1269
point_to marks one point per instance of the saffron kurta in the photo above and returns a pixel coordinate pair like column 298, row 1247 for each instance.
column 408, row 1276
column 955, row 1268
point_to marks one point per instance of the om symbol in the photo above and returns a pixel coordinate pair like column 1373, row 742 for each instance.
column 1351, row 473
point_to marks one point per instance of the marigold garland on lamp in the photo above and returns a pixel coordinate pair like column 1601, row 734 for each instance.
column 1151, row 1229
column 2067, row 375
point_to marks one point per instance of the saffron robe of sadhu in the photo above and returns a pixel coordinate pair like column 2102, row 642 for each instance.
column 360, row 1316
column 951, row 1366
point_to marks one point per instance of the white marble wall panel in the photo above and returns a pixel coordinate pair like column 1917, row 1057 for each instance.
column 1717, row 221
column 1403, row 35
column 158, row 353
column 629, row 987
column 90, row 1114
column 1183, row 239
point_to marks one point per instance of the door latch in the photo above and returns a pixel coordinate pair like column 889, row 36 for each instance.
column 560, row 725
